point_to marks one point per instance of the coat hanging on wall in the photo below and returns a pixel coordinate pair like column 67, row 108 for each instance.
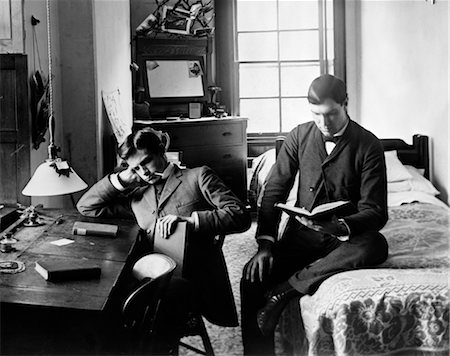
column 39, row 108
column 39, row 96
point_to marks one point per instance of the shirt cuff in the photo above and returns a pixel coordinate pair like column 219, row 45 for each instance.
column 114, row 179
column 266, row 237
column 347, row 236
column 196, row 220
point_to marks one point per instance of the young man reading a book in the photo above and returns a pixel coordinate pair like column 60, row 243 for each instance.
column 337, row 160
column 159, row 195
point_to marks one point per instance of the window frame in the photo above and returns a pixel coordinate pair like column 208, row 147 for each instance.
column 227, row 74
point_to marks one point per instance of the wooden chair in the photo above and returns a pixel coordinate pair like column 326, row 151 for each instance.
column 175, row 247
column 196, row 326
column 140, row 310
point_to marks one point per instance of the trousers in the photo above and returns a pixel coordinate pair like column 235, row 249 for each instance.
column 304, row 258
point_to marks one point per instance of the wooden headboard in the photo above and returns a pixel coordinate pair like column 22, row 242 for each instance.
column 416, row 155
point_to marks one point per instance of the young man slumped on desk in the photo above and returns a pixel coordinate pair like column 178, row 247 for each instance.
column 159, row 194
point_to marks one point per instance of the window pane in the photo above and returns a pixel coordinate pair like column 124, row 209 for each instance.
column 294, row 112
column 257, row 46
column 256, row 15
column 262, row 114
column 299, row 45
column 296, row 78
column 296, row 15
column 257, row 80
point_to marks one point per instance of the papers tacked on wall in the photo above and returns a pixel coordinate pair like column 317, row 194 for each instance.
column 121, row 129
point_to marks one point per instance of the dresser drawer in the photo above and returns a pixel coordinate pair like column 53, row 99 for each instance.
column 219, row 158
column 205, row 135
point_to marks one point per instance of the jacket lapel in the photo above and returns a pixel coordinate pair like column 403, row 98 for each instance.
column 150, row 196
column 320, row 145
column 172, row 183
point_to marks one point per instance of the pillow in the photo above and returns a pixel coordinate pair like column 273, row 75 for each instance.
column 400, row 186
column 419, row 183
column 395, row 170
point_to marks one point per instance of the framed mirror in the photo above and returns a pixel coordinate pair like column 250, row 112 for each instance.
column 174, row 78
column 172, row 83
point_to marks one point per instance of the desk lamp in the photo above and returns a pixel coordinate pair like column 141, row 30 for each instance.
column 54, row 176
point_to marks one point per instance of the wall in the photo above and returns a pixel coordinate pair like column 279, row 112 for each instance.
column 38, row 60
column 397, row 73
column 112, row 62
column 91, row 53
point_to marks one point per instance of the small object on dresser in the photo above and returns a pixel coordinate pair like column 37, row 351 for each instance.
column 57, row 269
column 94, row 229
column 195, row 110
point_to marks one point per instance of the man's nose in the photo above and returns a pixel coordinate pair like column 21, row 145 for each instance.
column 326, row 120
column 146, row 172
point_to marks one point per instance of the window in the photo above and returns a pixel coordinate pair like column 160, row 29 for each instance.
column 280, row 46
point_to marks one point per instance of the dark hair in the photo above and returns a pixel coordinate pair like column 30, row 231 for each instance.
column 146, row 139
column 327, row 87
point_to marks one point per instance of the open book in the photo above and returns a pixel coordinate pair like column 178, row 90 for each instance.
column 320, row 211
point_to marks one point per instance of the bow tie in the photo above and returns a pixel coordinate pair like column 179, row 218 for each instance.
column 330, row 139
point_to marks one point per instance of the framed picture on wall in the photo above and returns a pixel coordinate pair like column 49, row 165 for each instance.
column 176, row 20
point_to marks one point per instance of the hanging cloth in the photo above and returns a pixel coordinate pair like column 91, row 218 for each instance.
column 39, row 96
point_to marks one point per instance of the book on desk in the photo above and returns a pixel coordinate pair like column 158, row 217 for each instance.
column 94, row 229
column 59, row 269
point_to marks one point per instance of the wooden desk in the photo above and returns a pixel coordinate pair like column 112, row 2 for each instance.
column 29, row 288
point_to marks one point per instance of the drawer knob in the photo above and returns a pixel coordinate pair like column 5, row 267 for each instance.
column 227, row 133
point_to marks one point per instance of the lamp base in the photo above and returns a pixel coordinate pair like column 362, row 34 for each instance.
column 32, row 220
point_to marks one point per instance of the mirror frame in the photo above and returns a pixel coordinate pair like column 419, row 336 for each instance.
column 174, row 98
column 171, row 49
column 172, row 106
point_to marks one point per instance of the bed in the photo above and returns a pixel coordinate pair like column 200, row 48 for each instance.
column 402, row 306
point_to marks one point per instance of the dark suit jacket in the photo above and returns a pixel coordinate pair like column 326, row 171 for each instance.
column 186, row 191
column 355, row 170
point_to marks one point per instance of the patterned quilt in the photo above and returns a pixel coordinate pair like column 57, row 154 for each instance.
column 401, row 307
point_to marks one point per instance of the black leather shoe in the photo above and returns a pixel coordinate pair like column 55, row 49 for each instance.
column 268, row 316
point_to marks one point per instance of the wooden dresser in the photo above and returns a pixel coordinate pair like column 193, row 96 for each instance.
column 220, row 144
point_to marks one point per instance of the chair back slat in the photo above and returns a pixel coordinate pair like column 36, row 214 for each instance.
column 141, row 307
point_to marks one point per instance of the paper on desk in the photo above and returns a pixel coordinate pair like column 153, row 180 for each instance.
column 62, row 242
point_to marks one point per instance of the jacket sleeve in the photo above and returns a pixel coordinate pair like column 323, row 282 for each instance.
column 278, row 185
column 372, row 211
column 228, row 213
column 103, row 200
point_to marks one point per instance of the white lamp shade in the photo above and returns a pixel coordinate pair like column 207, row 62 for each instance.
column 47, row 182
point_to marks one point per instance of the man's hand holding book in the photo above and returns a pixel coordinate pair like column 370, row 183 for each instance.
column 322, row 218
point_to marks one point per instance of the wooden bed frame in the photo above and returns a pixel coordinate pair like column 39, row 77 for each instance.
column 416, row 155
